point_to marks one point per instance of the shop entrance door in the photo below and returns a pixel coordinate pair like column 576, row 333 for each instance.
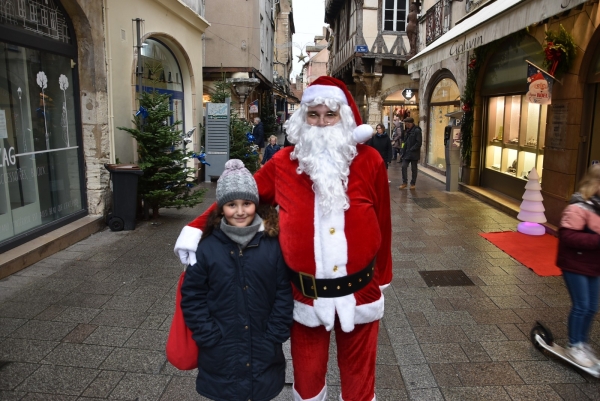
column 594, row 156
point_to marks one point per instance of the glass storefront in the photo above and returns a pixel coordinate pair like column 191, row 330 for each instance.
column 40, row 156
column 514, row 130
column 445, row 99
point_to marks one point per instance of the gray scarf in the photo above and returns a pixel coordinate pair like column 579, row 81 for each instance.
column 242, row 235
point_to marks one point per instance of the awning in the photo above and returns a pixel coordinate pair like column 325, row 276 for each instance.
column 494, row 21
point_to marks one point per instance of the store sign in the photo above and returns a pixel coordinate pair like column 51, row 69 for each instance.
column 408, row 94
column 8, row 157
column 540, row 85
column 361, row 49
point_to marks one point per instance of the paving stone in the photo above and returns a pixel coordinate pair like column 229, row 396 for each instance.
column 140, row 386
column 425, row 394
column 13, row 374
column 408, row 354
column 8, row 325
column 472, row 304
column 134, row 360
column 21, row 310
column 440, row 334
column 570, row 392
column 530, row 393
column 184, row 388
column 388, row 377
column 487, row 332
column 147, row 339
column 43, row 330
column 502, row 290
column 512, row 351
column 592, row 390
column 25, row 350
column 454, row 318
column 111, row 336
column 84, row 300
column 11, row 395
column 77, row 315
column 78, row 355
column 546, row 372
column 496, row 317
column 487, row 374
column 443, row 353
column 48, row 397
column 445, row 374
column 417, row 377
column 120, row 318
column 475, row 352
column 80, row 333
column 385, row 355
column 401, row 336
column 512, row 332
column 495, row 393
column 63, row 380
column 416, row 319
column 103, row 384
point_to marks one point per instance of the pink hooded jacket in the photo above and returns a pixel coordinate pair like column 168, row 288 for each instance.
column 579, row 239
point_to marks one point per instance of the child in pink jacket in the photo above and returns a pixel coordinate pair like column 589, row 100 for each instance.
column 579, row 259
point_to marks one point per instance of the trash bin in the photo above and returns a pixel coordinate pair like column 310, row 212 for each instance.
column 124, row 179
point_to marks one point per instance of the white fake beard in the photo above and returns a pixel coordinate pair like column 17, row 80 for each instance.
column 325, row 154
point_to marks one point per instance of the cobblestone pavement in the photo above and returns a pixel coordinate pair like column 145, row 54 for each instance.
column 91, row 322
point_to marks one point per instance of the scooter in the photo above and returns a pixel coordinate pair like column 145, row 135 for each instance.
column 542, row 339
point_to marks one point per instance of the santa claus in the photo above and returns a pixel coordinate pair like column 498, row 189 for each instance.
column 335, row 235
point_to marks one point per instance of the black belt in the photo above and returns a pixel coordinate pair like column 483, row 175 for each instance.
column 314, row 288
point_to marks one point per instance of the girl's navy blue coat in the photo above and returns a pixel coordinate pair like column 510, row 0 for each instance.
column 239, row 305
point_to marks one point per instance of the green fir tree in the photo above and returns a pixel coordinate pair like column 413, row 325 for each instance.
column 239, row 147
column 167, row 181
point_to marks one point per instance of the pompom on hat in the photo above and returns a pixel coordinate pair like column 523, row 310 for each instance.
column 236, row 182
column 332, row 88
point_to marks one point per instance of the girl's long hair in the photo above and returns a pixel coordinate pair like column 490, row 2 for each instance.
column 590, row 184
column 268, row 213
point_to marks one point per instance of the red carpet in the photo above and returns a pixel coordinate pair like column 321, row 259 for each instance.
column 538, row 252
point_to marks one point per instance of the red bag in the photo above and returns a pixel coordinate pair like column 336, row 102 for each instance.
column 182, row 350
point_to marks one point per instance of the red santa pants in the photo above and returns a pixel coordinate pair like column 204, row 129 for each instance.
column 356, row 352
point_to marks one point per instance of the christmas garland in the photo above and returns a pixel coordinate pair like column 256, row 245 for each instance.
column 560, row 52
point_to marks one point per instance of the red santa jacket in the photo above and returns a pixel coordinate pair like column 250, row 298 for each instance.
column 334, row 245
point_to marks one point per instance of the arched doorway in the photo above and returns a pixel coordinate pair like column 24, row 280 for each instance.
column 41, row 160
column 445, row 98
column 161, row 73
column 593, row 97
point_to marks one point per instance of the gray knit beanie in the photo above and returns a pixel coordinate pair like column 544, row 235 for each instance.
column 236, row 182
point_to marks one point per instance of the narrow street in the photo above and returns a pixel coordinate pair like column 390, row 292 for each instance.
column 91, row 322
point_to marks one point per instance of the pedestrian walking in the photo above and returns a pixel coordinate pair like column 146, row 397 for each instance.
column 337, row 276
column 397, row 139
column 259, row 134
column 413, row 138
column 237, row 298
column 270, row 149
column 381, row 142
column 579, row 259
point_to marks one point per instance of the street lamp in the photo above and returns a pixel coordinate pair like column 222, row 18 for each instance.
column 243, row 87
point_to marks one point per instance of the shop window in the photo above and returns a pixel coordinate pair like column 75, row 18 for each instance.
column 445, row 98
column 39, row 171
column 515, row 135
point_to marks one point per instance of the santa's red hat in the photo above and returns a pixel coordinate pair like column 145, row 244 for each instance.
column 332, row 88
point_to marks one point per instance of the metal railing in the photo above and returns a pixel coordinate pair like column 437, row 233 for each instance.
column 437, row 21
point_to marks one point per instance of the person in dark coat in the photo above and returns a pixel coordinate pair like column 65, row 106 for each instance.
column 270, row 149
column 579, row 259
column 382, row 143
column 237, row 298
column 413, row 138
column 397, row 139
column 259, row 134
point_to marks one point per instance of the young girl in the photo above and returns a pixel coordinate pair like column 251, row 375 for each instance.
column 579, row 259
column 237, row 299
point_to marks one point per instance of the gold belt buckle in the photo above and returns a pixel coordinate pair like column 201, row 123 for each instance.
column 314, row 284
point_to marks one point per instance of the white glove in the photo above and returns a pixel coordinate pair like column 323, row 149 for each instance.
column 186, row 245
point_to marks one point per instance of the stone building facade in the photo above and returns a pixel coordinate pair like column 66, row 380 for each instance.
column 511, row 132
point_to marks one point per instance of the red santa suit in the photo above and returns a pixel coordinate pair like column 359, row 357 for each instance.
column 347, row 248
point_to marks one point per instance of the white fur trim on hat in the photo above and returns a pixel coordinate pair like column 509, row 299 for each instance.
column 188, row 240
column 324, row 91
column 362, row 133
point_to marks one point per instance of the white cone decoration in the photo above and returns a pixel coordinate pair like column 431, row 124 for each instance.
column 532, row 208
